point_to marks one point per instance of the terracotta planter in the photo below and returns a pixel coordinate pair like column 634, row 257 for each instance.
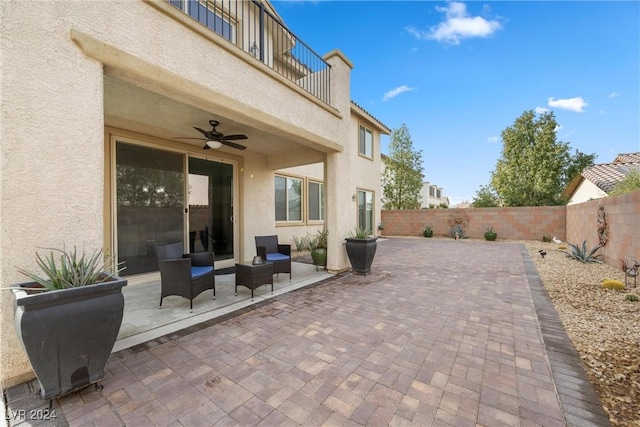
column 68, row 334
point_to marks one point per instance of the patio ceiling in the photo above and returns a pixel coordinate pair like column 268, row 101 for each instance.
column 136, row 109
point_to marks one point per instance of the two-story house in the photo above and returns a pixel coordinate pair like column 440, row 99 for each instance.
column 100, row 105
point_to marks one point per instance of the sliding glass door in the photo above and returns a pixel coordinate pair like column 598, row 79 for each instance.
column 150, row 204
column 211, row 219
column 164, row 196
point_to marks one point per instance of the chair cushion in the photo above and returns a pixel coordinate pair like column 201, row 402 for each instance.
column 200, row 271
column 277, row 257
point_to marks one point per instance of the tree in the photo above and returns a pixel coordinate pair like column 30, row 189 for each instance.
column 402, row 176
column 631, row 182
column 486, row 197
column 535, row 167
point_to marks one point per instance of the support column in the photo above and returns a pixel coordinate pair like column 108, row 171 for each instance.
column 340, row 211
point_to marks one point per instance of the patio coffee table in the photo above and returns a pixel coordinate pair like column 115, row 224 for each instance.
column 252, row 276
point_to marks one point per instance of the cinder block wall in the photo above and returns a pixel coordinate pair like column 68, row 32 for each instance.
column 574, row 224
column 523, row 223
column 623, row 219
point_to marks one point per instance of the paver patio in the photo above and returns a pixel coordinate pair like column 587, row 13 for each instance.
column 442, row 333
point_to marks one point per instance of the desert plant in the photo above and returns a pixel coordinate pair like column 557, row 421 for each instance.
column 72, row 270
column 427, row 230
column 546, row 238
column 631, row 297
column 612, row 284
column 457, row 232
column 360, row 233
column 582, row 254
column 300, row 243
column 490, row 234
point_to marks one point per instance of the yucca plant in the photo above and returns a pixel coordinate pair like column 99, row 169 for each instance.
column 68, row 269
column 360, row 233
column 584, row 255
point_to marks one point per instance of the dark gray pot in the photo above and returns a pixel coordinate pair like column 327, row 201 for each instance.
column 69, row 334
column 361, row 253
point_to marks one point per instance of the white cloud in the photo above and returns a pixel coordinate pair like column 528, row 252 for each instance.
column 397, row 91
column 493, row 139
column 541, row 110
column 576, row 104
column 458, row 25
column 614, row 95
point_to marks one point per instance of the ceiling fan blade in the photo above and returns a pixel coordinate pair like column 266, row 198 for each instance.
column 202, row 131
column 233, row 144
column 234, row 137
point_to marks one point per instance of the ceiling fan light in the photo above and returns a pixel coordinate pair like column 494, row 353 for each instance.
column 214, row 144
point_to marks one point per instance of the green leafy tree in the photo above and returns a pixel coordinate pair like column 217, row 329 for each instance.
column 630, row 183
column 402, row 176
column 535, row 167
column 486, row 197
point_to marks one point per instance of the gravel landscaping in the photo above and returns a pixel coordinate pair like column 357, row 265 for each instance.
column 603, row 326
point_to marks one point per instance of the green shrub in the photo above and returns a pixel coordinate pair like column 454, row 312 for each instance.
column 631, row 297
column 582, row 254
column 546, row 238
column 612, row 284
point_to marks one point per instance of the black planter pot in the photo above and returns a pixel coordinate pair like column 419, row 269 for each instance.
column 68, row 334
column 361, row 253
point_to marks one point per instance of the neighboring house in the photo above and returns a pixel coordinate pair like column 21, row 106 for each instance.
column 99, row 105
column 597, row 181
column 432, row 196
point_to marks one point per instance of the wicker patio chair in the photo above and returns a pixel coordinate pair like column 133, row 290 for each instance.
column 268, row 249
column 185, row 275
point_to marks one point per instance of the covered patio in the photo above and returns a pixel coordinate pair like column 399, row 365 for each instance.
column 144, row 321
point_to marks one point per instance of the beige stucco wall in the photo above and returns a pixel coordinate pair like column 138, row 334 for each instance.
column 586, row 191
column 52, row 147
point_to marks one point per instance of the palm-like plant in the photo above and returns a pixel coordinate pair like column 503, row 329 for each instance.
column 584, row 255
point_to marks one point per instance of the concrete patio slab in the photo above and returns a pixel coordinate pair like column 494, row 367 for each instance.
column 441, row 333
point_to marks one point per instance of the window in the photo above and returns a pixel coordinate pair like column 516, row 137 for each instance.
column 316, row 201
column 431, row 192
column 365, row 146
column 288, row 199
column 199, row 11
column 365, row 210
column 438, row 193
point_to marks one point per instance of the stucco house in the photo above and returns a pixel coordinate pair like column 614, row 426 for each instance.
column 100, row 101
column 597, row 181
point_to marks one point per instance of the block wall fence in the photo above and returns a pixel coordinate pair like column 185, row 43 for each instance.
column 573, row 223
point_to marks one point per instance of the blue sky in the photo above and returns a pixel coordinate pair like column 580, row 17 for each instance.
column 458, row 73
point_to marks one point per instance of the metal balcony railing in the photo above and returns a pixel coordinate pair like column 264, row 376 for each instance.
column 250, row 26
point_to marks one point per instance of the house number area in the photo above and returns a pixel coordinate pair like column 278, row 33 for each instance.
column 30, row 414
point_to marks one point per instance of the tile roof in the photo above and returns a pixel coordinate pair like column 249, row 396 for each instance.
column 607, row 175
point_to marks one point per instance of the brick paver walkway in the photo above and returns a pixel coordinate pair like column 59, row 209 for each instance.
column 442, row 333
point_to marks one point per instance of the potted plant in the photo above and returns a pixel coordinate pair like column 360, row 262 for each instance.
column 69, row 318
column 489, row 233
column 427, row 231
column 317, row 245
column 361, row 248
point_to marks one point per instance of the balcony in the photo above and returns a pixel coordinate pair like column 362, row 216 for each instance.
column 258, row 32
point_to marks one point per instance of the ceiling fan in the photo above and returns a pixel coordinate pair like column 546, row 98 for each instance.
column 215, row 139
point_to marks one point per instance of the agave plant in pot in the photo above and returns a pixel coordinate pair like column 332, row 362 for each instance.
column 361, row 249
column 68, row 319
